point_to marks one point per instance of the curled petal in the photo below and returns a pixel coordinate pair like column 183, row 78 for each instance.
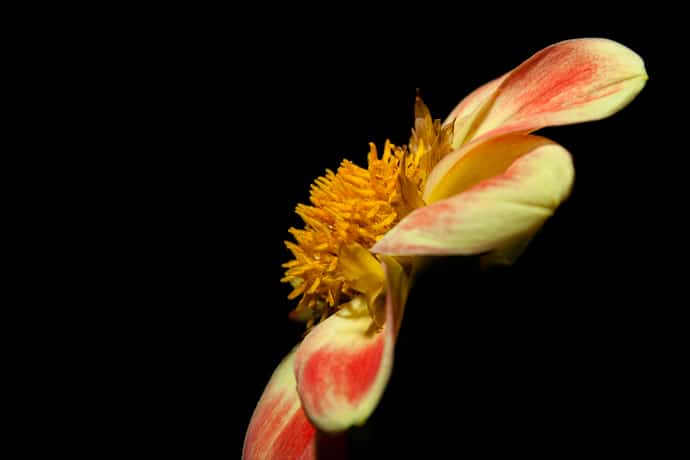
column 278, row 428
column 343, row 365
column 492, row 213
column 569, row 82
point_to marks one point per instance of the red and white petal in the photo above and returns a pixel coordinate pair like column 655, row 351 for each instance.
column 570, row 82
column 491, row 213
column 343, row 365
column 278, row 428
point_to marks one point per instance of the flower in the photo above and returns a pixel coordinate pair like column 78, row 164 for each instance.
column 477, row 184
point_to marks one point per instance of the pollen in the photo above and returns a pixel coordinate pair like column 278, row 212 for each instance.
column 355, row 205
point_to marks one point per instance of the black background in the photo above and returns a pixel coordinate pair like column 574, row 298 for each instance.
column 566, row 350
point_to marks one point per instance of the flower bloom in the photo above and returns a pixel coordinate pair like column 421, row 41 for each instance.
column 477, row 184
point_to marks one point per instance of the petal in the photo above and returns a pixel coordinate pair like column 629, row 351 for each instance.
column 343, row 365
column 493, row 212
column 278, row 428
column 569, row 82
column 481, row 161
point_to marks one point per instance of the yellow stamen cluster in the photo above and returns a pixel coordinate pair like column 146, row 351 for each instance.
column 356, row 205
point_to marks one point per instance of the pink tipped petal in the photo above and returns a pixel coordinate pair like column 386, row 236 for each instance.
column 342, row 368
column 343, row 365
column 570, row 82
column 492, row 213
column 278, row 428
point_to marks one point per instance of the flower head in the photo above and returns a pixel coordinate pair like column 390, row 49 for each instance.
column 478, row 184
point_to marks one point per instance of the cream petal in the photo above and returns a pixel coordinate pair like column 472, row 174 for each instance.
column 491, row 212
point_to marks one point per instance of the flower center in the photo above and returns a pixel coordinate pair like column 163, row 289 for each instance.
column 356, row 207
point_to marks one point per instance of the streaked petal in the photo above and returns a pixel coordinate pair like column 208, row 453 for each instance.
column 569, row 82
column 491, row 213
column 278, row 428
column 343, row 365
